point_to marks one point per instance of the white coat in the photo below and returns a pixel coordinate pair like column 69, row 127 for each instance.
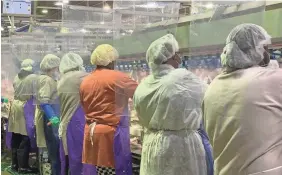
column 168, row 104
column 243, row 118
column 23, row 92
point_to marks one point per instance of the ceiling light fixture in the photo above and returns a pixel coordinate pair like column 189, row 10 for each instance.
column 102, row 22
column 83, row 30
column 58, row 3
column 44, row 11
column 209, row 6
column 2, row 29
column 108, row 31
column 106, row 7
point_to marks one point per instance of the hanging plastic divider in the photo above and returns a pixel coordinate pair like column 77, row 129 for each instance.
column 209, row 27
column 137, row 23
column 9, row 69
column 83, row 29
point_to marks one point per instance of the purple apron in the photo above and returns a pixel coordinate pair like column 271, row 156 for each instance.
column 75, row 135
column 122, row 152
column 8, row 139
column 29, row 112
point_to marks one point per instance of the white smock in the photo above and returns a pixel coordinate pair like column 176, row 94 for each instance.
column 68, row 91
column 168, row 104
column 243, row 118
column 46, row 93
column 23, row 92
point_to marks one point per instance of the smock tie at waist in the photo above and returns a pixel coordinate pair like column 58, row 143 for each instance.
column 92, row 128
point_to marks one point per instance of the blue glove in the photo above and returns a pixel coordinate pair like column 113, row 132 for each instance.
column 48, row 110
column 50, row 114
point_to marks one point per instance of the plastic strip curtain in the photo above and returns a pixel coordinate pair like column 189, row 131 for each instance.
column 210, row 25
column 136, row 25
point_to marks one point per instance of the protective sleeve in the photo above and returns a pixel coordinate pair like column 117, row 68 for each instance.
column 48, row 110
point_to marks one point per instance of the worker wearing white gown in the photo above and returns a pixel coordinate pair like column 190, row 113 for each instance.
column 243, row 107
column 168, row 104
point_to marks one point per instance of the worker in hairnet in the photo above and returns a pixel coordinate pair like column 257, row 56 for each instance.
column 278, row 56
column 104, row 96
column 242, row 106
column 72, row 115
column 21, row 118
column 168, row 104
column 47, row 112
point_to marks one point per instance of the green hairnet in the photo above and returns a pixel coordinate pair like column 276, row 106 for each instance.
column 27, row 65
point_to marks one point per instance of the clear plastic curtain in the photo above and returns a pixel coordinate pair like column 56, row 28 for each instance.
column 210, row 24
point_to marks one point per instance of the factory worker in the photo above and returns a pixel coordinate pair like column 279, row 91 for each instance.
column 104, row 97
column 72, row 115
column 242, row 107
column 168, row 104
column 47, row 112
column 273, row 64
column 278, row 56
column 21, row 118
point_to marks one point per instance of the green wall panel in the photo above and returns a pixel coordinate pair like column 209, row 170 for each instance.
column 202, row 34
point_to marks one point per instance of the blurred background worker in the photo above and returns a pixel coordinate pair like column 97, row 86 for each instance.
column 168, row 104
column 47, row 112
column 277, row 54
column 21, row 118
column 242, row 106
column 104, row 97
column 72, row 115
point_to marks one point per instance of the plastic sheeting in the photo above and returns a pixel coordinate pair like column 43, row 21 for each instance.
column 213, row 21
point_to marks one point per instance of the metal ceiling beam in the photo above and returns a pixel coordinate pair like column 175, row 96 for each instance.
column 49, row 8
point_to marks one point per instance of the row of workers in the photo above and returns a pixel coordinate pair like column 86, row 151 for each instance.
column 240, row 110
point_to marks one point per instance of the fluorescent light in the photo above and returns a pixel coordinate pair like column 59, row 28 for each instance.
column 58, row 3
column 102, row 22
column 44, row 11
column 130, row 31
column 108, row 31
column 123, row 33
column 2, row 28
column 106, row 7
column 65, row 1
column 84, row 31
column 209, row 6
column 149, row 5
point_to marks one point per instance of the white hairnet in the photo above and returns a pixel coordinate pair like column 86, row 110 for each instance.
column 273, row 64
column 103, row 55
column 161, row 50
column 50, row 61
column 71, row 61
column 27, row 65
column 245, row 46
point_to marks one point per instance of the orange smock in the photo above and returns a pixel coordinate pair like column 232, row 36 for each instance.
column 104, row 96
